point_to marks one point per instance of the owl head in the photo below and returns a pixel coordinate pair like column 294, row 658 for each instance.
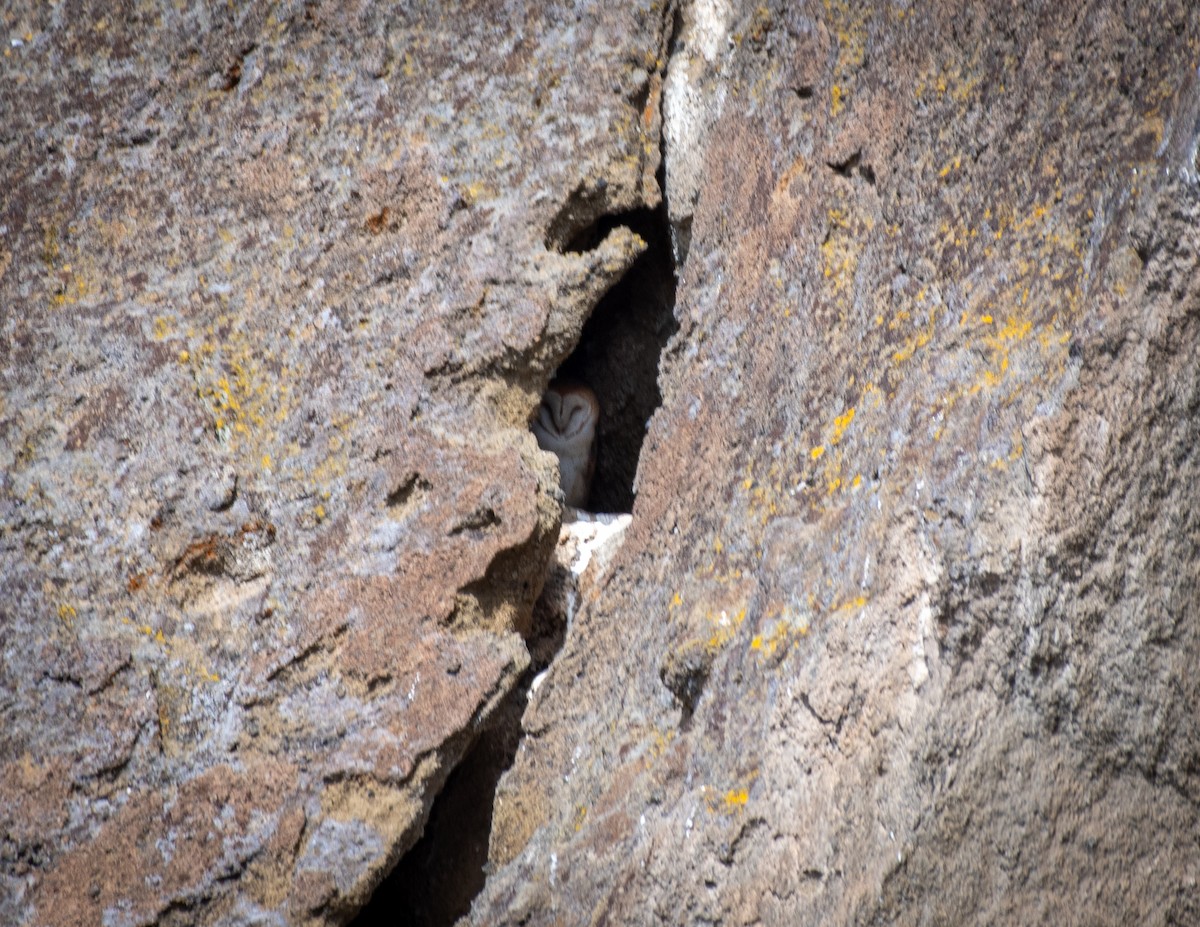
column 565, row 424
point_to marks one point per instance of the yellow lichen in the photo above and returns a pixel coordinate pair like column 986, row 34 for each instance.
column 67, row 614
column 840, row 424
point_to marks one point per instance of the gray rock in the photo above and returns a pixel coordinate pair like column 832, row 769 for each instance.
column 903, row 628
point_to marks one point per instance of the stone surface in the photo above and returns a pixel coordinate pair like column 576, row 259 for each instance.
column 575, row 575
column 904, row 628
column 280, row 285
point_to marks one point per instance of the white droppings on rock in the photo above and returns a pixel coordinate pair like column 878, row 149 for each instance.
column 586, row 546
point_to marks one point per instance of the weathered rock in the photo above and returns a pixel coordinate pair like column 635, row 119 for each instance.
column 575, row 575
column 904, row 628
column 280, row 286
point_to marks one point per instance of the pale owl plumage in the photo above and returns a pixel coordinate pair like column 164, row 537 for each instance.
column 566, row 425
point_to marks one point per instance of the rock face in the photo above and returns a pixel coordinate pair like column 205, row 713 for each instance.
column 904, row 627
column 280, row 286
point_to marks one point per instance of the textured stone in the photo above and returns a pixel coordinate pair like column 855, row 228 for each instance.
column 902, row 629
column 280, row 286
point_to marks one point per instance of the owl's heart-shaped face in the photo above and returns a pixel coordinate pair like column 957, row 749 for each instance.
column 566, row 425
column 568, row 417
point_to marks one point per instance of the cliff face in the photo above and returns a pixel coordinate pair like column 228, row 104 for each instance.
column 281, row 285
column 904, row 626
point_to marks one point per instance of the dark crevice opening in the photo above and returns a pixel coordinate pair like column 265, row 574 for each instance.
column 583, row 221
column 435, row 882
column 618, row 356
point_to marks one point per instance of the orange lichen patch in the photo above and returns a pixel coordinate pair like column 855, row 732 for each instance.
column 162, row 328
column 1000, row 344
column 1013, row 330
column 840, row 250
column 154, row 634
column 777, row 638
column 731, row 800
column 239, row 383
column 1044, row 278
column 789, row 624
column 1015, row 454
column 75, row 276
column 724, row 627
column 74, row 285
column 956, row 83
column 660, row 741
column 773, row 493
column 840, row 424
column 849, row 21
column 854, row 604
column 766, row 495
column 50, row 247
column 953, row 165
column 911, row 345
column 476, row 191
column 872, row 398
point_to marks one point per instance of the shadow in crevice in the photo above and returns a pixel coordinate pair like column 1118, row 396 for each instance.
column 618, row 357
column 436, row 881
column 583, row 221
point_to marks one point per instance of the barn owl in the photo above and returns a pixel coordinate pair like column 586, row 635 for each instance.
column 566, row 425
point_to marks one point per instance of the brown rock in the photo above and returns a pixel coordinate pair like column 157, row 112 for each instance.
column 280, row 289
column 902, row 628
